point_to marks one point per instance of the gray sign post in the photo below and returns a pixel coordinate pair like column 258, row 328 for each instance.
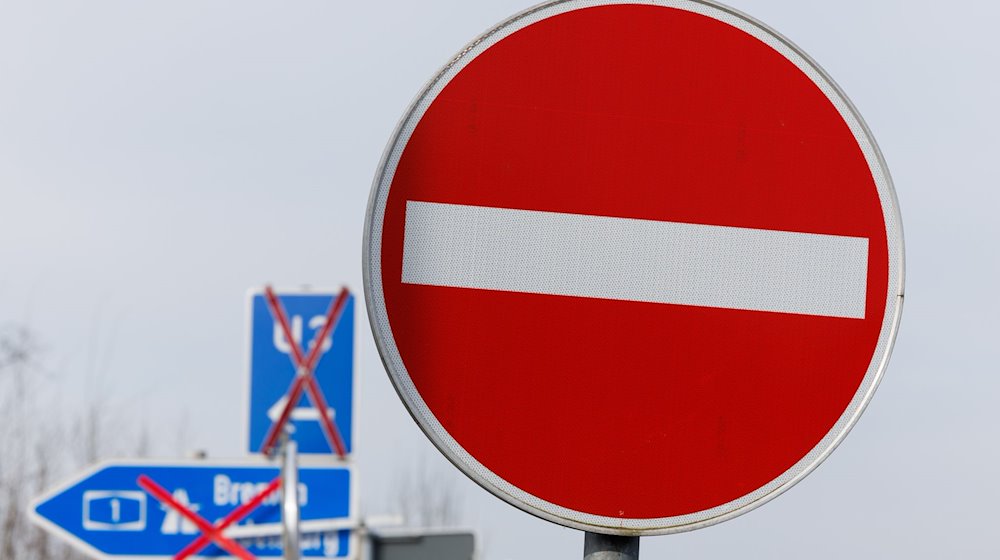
column 610, row 547
column 289, row 499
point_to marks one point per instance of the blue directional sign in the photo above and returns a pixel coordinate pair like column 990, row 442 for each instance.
column 106, row 514
column 272, row 370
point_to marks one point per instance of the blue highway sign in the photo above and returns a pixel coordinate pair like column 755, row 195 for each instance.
column 272, row 371
column 105, row 513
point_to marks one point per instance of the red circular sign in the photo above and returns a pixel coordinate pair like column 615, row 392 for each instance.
column 634, row 267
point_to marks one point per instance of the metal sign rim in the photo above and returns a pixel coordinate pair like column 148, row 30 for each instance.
column 375, row 304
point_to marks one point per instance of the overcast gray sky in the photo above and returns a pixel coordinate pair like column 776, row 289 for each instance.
column 159, row 158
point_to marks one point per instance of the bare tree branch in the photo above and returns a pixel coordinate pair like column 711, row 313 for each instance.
column 426, row 498
column 38, row 446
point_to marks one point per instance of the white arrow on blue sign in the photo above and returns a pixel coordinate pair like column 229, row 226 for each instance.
column 104, row 513
column 271, row 370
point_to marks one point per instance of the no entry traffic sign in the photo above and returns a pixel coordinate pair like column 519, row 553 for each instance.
column 634, row 267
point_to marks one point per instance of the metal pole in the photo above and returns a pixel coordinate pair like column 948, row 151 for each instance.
column 289, row 499
column 610, row 547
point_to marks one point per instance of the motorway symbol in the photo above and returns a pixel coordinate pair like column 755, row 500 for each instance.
column 634, row 267
column 286, row 362
column 210, row 533
column 107, row 513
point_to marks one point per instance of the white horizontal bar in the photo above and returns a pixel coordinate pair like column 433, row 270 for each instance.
column 307, row 527
column 634, row 260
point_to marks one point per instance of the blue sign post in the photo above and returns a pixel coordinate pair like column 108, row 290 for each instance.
column 106, row 514
column 271, row 370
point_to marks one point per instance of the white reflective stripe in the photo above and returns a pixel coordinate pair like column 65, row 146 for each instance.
column 634, row 260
